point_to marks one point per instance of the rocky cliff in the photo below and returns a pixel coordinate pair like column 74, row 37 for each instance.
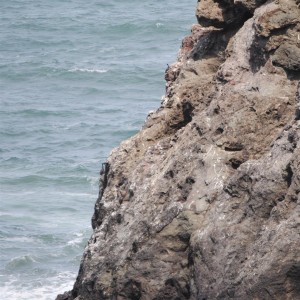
column 203, row 203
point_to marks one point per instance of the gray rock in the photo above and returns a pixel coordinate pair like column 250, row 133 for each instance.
column 287, row 56
column 203, row 203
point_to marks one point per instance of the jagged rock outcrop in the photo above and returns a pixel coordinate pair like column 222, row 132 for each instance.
column 203, row 203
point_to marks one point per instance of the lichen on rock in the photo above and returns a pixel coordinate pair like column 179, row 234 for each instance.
column 203, row 203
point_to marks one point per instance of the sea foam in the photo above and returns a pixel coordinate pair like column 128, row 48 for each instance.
column 86, row 70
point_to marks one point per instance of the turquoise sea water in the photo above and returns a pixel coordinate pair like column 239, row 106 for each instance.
column 76, row 78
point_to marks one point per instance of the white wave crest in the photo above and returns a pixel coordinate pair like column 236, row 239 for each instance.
column 38, row 290
column 86, row 70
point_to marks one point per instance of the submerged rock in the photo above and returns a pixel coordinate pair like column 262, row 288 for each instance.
column 203, row 203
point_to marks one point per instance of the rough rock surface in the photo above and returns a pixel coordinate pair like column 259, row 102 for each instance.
column 203, row 203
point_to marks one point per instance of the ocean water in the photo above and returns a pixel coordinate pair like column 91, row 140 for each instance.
column 76, row 78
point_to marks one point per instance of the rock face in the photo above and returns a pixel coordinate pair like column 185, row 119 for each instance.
column 204, row 203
